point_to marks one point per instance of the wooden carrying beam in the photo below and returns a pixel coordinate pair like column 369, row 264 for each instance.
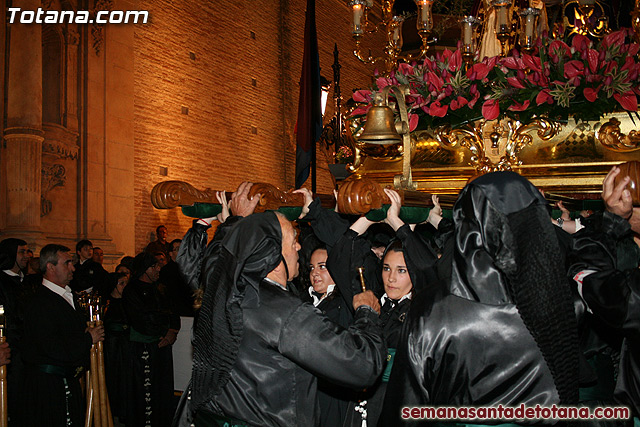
column 357, row 196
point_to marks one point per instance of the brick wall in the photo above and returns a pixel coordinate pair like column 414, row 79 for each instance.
column 235, row 66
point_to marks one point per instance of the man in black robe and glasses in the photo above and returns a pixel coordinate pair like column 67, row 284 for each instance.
column 258, row 348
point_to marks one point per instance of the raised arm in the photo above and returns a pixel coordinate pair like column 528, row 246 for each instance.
column 351, row 357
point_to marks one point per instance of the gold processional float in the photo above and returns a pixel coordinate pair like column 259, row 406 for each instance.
column 564, row 144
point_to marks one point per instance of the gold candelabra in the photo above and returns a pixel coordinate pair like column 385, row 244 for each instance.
column 590, row 18
column 392, row 26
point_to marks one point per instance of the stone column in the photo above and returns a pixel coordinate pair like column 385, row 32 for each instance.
column 23, row 135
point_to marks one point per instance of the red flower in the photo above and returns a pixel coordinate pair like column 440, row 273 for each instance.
column 435, row 80
column 573, row 69
column 455, row 61
column 592, row 59
column 361, row 110
column 473, row 101
column 520, row 107
column 531, row 62
column 362, row 96
column 544, row 96
column 627, row 100
column 478, row 71
column 591, row 93
column 580, row 43
column 413, row 122
column 557, row 50
column 458, row 103
column 514, row 82
column 405, row 69
column 438, row 110
column 512, row 63
column 491, row 109
column 615, row 38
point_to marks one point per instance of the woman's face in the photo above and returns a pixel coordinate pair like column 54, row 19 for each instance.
column 319, row 275
column 397, row 282
column 125, row 270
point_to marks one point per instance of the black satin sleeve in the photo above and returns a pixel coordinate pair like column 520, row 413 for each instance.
column 351, row 357
column 191, row 252
column 195, row 255
column 327, row 224
column 350, row 252
column 611, row 293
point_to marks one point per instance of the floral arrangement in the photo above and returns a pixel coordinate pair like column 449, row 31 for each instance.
column 344, row 155
column 558, row 78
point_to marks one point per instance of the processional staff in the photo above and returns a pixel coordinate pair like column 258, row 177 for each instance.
column 98, row 409
column 4, row 405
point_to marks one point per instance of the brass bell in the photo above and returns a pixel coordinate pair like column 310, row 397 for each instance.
column 380, row 127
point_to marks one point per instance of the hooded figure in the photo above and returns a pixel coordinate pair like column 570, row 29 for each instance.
column 153, row 327
column 258, row 348
column 502, row 330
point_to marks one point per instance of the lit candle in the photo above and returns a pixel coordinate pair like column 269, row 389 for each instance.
column 501, row 19
column 425, row 14
column 528, row 26
column 467, row 32
column 357, row 18
column 397, row 37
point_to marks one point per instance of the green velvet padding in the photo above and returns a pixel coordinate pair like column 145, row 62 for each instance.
column 202, row 210
column 208, row 210
column 410, row 215
column 291, row 212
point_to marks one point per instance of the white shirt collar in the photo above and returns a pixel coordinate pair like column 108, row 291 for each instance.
column 63, row 292
column 317, row 300
column 385, row 298
column 11, row 273
column 273, row 282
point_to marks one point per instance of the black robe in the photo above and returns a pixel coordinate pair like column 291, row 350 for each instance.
column 352, row 251
column 54, row 340
column 12, row 299
column 150, row 317
column 286, row 344
column 465, row 341
column 612, row 292
column 117, row 357
column 90, row 274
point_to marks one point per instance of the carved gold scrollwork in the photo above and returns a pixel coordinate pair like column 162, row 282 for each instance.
column 519, row 137
column 359, row 196
column 171, row 194
column 611, row 137
column 272, row 198
column 469, row 137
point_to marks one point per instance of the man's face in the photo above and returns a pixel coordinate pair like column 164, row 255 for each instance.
column 22, row 257
column 290, row 247
column 153, row 273
column 98, row 255
column 175, row 248
column 61, row 273
column 86, row 252
column 162, row 234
